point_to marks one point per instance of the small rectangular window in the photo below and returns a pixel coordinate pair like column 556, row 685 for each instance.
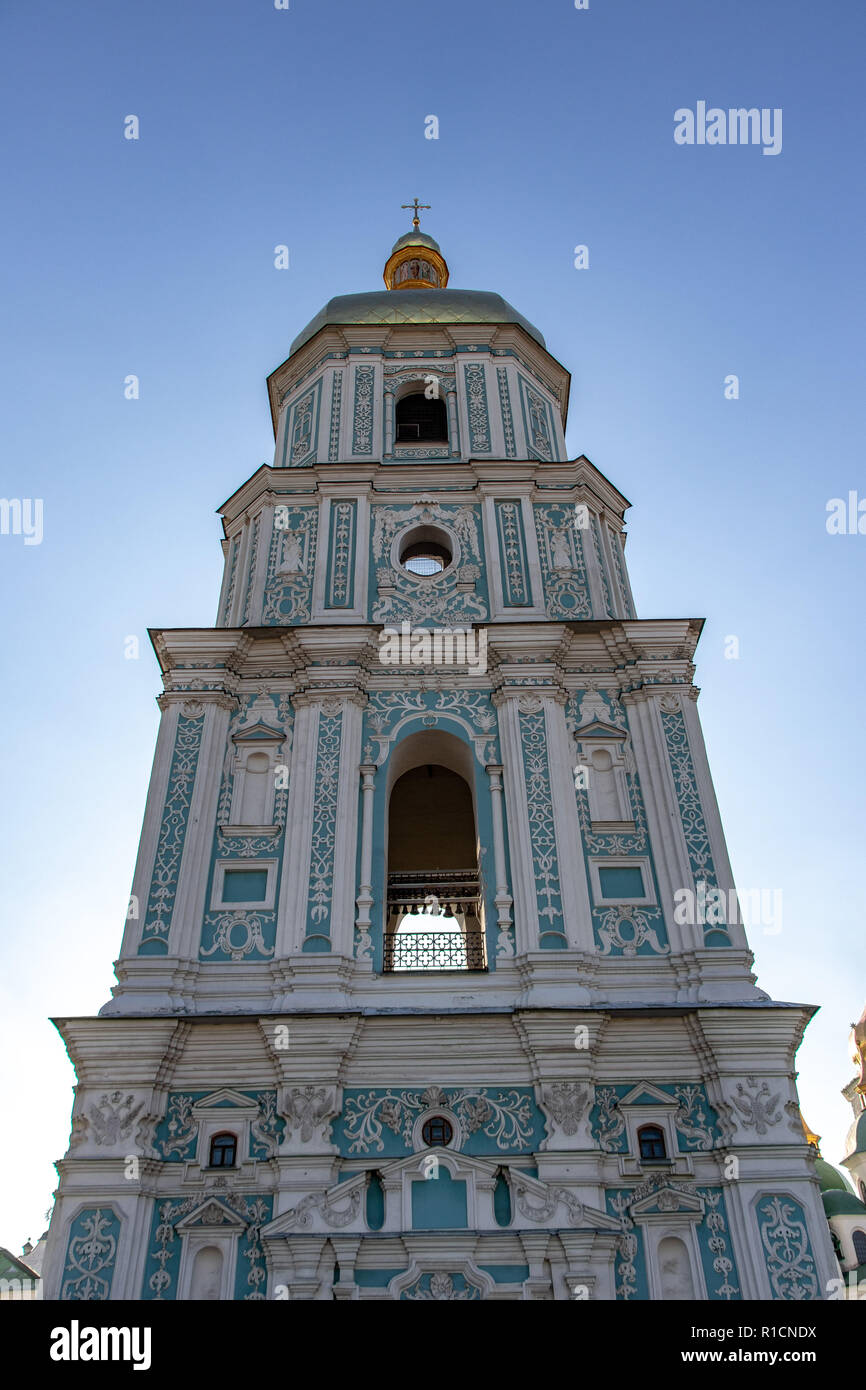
column 245, row 885
column 621, row 883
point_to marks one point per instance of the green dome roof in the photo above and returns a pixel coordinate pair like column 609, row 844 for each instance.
column 830, row 1179
column 843, row 1204
column 416, row 238
column 416, row 306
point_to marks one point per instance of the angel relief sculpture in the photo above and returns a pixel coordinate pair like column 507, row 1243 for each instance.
column 292, row 561
column 560, row 551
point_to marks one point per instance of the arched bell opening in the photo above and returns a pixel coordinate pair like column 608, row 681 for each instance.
column 434, row 917
column 421, row 418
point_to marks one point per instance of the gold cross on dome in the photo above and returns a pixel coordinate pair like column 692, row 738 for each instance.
column 415, row 207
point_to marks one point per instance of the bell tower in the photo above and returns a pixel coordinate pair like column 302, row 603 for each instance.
column 435, row 984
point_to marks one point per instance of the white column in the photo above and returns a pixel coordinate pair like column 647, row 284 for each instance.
column 505, row 944
column 453, row 427
column 519, row 841
column 365, row 897
column 346, row 830
column 389, row 425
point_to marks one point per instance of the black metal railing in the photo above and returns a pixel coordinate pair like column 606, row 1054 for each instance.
column 440, row 891
column 452, row 893
column 435, row 950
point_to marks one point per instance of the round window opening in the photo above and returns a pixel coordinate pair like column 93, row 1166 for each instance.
column 426, row 550
column 436, row 1132
column 425, row 558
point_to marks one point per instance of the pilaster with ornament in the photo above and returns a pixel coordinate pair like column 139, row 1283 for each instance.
column 549, row 884
column 217, row 709
column 363, row 409
column 161, row 900
column 336, row 383
column 157, row 795
column 710, row 806
column 317, row 890
column 250, row 568
column 324, row 825
column 576, row 901
column 231, row 551
column 616, row 548
column 513, row 568
column 526, row 919
column 670, row 855
column 602, row 606
column 341, row 576
column 477, row 412
column 351, row 715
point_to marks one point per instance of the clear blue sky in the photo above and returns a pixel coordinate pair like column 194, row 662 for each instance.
column 306, row 127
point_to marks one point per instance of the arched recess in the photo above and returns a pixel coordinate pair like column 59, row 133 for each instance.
column 434, row 918
column 207, row 1273
column 674, row 1270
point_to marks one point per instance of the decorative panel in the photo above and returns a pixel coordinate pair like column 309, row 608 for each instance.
column 513, row 567
column 695, row 1121
column 533, row 737
column 563, row 567
column 362, row 411
column 455, row 598
column 291, row 563
column 476, row 407
column 691, row 811
column 336, row 403
column 537, row 423
column 91, row 1255
column 505, row 407
column 716, row 1246
column 340, row 577
column 165, row 1244
column 630, row 1274
column 299, row 441
column 176, row 1135
column 786, row 1248
column 493, row 1120
column 324, row 814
